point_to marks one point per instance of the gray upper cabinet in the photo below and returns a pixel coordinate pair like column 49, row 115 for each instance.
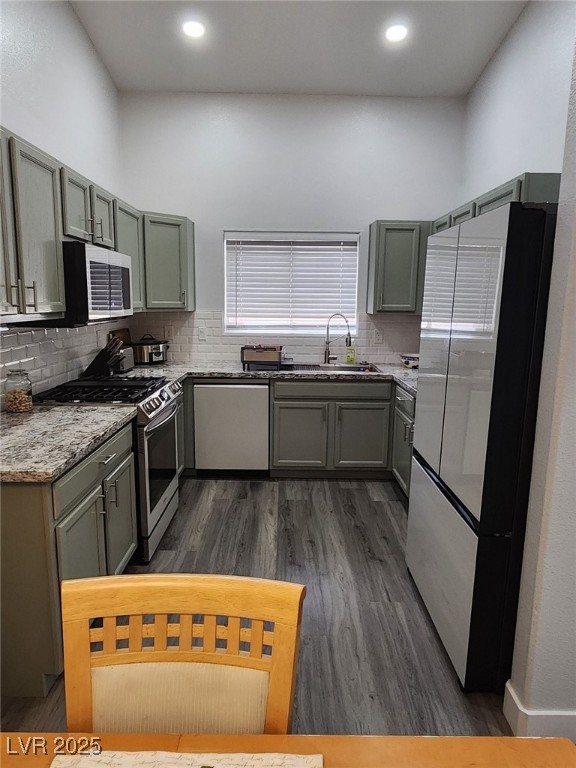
column 102, row 205
column 169, row 259
column 526, row 188
column 462, row 214
column 9, row 297
column 76, row 207
column 506, row 193
column 129, row 230
column 440, row 224
column 396, row 265
column 38, row 217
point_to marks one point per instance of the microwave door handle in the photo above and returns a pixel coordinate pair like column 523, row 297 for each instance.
column 150, row 429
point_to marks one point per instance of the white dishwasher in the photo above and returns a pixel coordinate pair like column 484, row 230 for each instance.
column 231, row 426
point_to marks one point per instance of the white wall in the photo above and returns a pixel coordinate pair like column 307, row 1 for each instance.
column 288, row 163
column 56, row 93
column 516, row 112
column 541, row 695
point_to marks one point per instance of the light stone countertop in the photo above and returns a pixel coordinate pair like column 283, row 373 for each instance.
column 40, row 446
column 407, row 377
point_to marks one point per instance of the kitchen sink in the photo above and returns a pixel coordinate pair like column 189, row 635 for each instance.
column 330, row 367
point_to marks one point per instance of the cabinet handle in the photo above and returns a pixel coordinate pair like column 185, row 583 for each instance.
column 34, row 289
column 115, row 499
column 381, row 299
column 405, row 431
column 100, row 223
column 184, row 298
column 107, row 460
column 105, row 497
column 10, row 294
column 403, row 399
column 411, row 440
column 91, row 230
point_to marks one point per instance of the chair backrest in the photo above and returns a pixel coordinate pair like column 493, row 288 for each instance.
column 185, row 653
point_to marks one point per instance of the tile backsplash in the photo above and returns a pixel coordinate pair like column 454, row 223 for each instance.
column 200, row 336
column 53, row 356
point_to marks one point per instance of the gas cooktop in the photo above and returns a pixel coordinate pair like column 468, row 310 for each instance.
column 112, row 389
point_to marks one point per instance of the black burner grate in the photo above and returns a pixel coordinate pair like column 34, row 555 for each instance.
column 115, row 389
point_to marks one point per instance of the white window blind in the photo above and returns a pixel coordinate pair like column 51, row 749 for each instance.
column 289, row 283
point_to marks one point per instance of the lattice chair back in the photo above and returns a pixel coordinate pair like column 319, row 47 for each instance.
column 183, row 653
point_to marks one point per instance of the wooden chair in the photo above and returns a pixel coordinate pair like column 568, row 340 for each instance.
column 183, row 653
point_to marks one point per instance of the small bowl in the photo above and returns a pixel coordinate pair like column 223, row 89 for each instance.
column 410, row 361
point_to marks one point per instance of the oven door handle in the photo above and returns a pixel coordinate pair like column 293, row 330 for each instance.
column 152, row 428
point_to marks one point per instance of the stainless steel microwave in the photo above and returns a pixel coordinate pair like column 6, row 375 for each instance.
column 98, row 283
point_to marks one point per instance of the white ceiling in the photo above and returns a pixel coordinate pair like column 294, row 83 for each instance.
column 297, row 47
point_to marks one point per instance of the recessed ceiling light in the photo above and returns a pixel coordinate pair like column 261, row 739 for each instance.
column 396, row 33
column 193, row 29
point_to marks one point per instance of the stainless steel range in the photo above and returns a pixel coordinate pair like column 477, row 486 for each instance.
column 158, row 404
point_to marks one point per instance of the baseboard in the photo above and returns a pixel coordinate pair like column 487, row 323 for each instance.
column 537, row 722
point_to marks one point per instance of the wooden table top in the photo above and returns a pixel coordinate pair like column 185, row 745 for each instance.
column 338, row 751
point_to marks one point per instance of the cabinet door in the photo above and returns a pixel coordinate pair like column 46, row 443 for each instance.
column 102, row 205
column 361, row 433
column 130, row 240
column 180, row 437
column 188, row 425
column 36, row 181
column 166, row 244
column 440, row 224
column 462, row 214
column 402, row 449
column 80, row 539
column 396, row 248
column 9, row 298
column 120, row 502
column 76, row 216
column 300, row 434
column 506, row 193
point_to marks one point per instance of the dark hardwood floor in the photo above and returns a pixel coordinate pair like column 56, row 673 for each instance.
column 370, row 661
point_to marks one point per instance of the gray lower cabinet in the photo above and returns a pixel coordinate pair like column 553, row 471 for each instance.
column 397, row 255
column 361, row 433
column 80, row 539
column 187, row 430
column 402, row 449
column 38, row 220
column 129, row 231
column 120, row 516
column 169, row 260
column 404, row 408
column 330, row 425
column 300, row 434
column 9, row 296
column 181, row 437
column 83, row 524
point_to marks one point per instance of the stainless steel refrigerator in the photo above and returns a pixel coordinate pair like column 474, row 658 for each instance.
column 483, row 321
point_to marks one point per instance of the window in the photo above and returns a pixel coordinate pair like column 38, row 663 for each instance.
column 288, row 282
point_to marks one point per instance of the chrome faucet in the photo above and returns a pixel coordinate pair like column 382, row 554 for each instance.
column 327, row 356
